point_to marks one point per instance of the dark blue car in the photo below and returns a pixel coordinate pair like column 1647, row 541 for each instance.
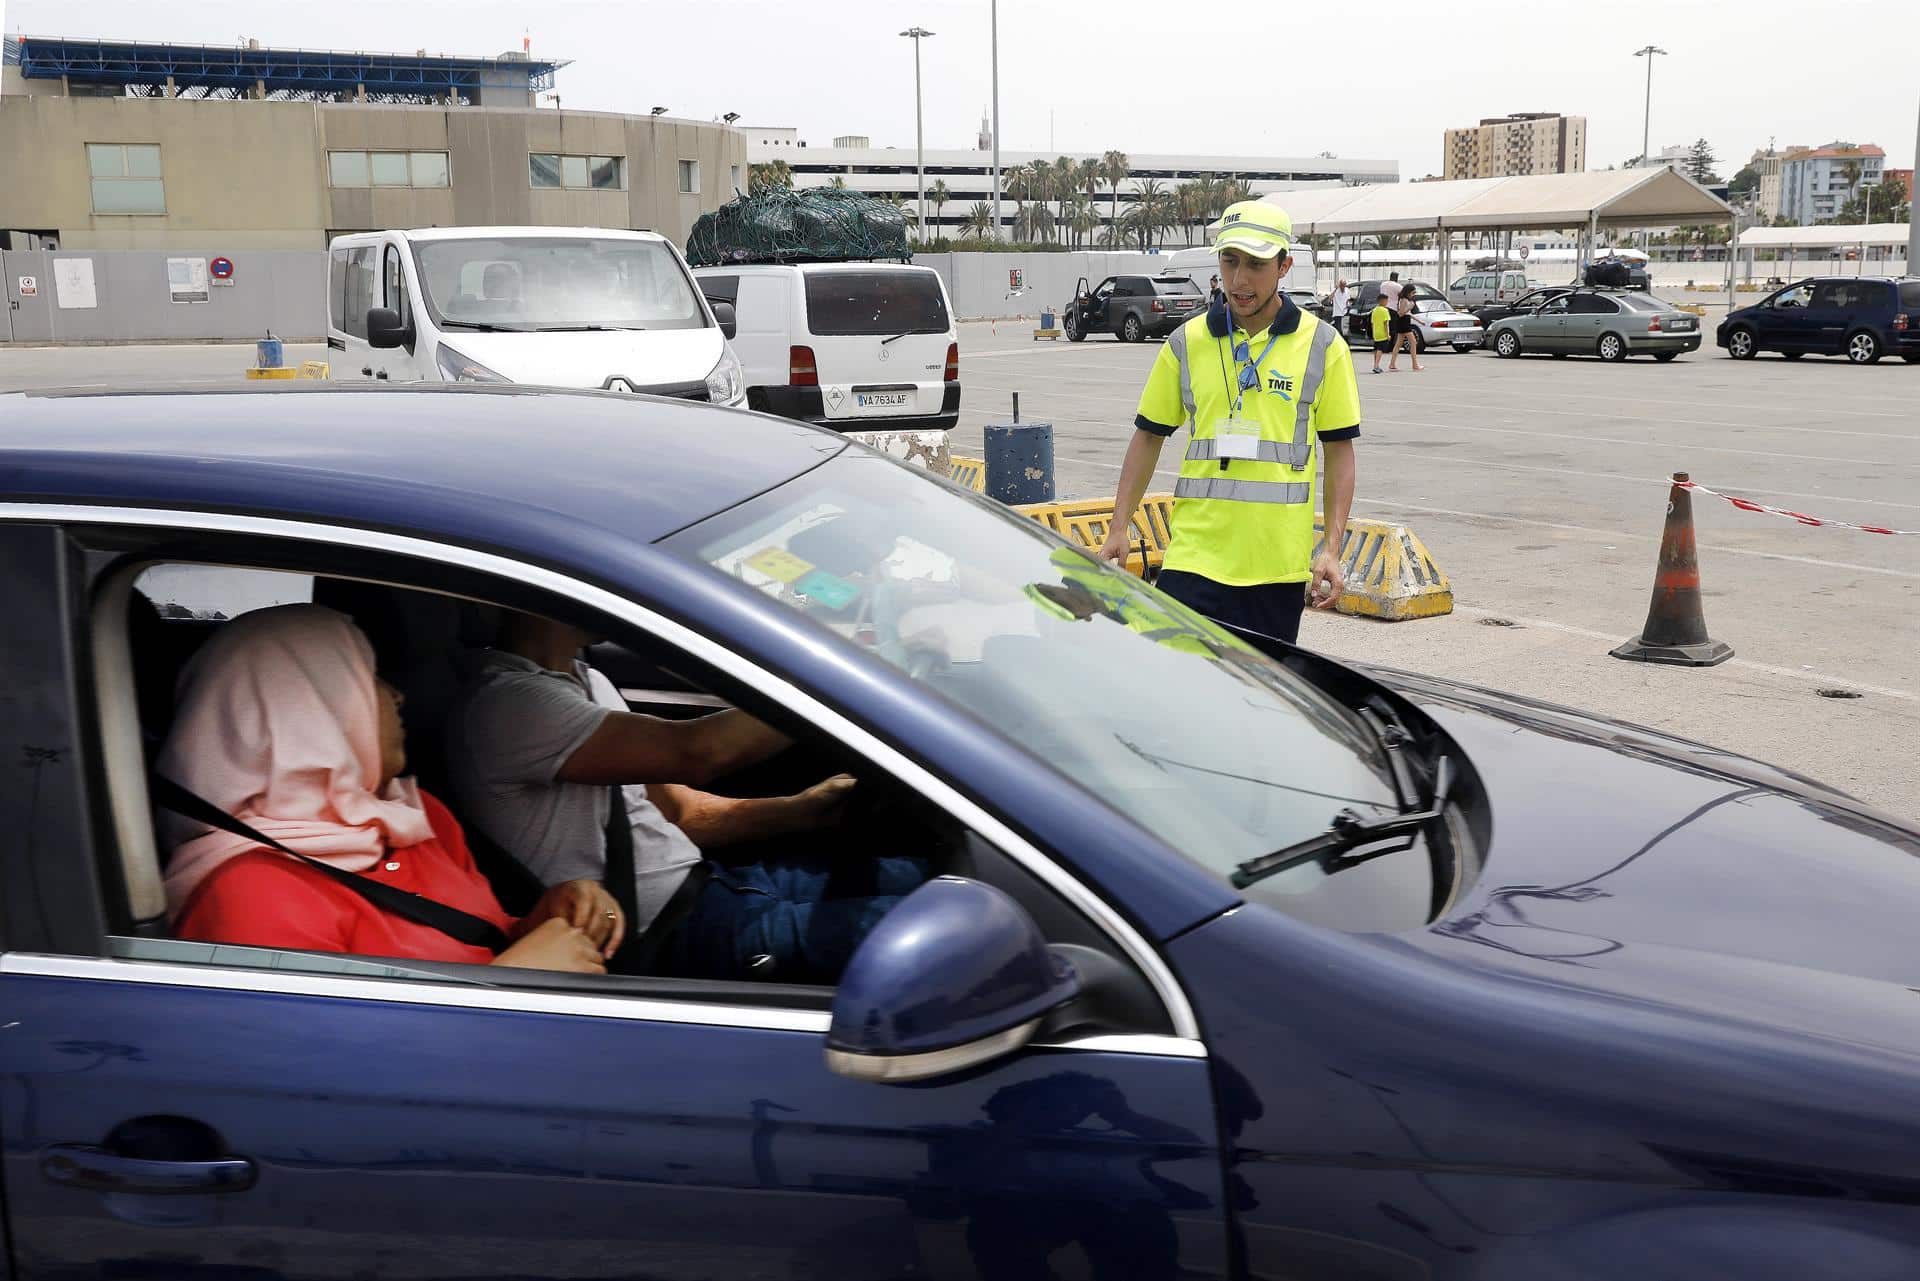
column 1860, row 317
column 1238, row 967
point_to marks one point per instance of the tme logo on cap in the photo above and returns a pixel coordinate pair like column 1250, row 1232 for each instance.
column 1230, row 219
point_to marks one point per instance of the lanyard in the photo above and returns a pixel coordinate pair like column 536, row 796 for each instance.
column 1250, row 376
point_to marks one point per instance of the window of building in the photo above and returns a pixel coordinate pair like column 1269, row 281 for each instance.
column 689, row 177
column 126, row 178
column 386, row 168
column 577, row 173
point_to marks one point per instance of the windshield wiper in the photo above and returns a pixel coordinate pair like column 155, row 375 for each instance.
column 482, row 327
column 903, row 333
column 1349, row 831
column 588, row 329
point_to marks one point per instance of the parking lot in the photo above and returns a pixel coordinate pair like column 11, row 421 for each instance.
column 1539, row 486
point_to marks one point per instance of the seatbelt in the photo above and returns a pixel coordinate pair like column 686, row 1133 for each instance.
column 460, row 926
column 641, row 947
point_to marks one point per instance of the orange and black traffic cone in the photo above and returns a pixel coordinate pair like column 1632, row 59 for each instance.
column 1676, row 629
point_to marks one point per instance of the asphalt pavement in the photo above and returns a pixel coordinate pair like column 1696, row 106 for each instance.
column 1540, row 487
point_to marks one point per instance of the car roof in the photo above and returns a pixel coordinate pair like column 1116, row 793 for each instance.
column 491, row 233
column 473, row 465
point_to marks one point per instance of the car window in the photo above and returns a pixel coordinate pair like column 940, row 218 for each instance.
column 421, row 643
column 1558, row 307
column 1180, row 286
column 1592, row 305
column 905, row 301
column 1217, row 750
column 1798, row 296
column 1910, row 294
column 1640, row 302
column 720, row 288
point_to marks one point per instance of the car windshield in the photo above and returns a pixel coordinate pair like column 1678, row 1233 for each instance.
column 1180, row 286
column 1218, row 750
column 1640, row 302
column 900, row 300
column 557, row 282
column 1433, row 304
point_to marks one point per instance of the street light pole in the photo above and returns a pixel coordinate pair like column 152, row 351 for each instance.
column 994, row 20
column 1646, row 121
column 1913, row 221
column 916, row 34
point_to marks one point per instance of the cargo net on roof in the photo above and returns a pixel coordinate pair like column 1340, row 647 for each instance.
column 824, row 225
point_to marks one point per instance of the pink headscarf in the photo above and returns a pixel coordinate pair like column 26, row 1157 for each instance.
column 279, row 725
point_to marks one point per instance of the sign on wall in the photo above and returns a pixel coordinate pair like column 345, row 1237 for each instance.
column 187, row 280
column 1016, row 279
column 222, row 271
column 29, row 287
column 73, row 284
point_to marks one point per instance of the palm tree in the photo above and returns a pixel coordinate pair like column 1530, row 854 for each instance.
column 1234, row 191
column 979, row 219
column 1150, row 203
column 1066, row 176
column 774, row 173
column 1114, row 168
column 839, row 181
column 1850, row 171
column 938, row 195
column 1017, row 183
column 1085, row 220
column 1040, row 183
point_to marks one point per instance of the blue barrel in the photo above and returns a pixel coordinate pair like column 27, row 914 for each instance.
column 1046, row 318
column 1020, row 462
column 272, row 353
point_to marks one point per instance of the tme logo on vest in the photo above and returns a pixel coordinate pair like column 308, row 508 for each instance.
column 1281, row 383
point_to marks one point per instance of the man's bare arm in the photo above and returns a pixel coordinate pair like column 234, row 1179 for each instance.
column 631, row 748
column 713, row 822
column 1143, row 455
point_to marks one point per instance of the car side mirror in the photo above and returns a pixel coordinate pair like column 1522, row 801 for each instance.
column 956, row 975
column 725, row 317
column 386, row 329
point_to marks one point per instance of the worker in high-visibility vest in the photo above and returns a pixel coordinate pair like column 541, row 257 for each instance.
column 1259, row 384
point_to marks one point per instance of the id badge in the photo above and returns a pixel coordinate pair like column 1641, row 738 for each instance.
column 1237, row 438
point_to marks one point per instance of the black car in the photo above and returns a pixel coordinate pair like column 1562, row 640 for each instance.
column 1532, row 300
column 1860, row 317
column 1132, row 308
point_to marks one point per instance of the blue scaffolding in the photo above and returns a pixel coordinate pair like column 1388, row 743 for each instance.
column 141, row 69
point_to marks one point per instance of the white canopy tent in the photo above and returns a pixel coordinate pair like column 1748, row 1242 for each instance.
column 1612, row 198
column 1853, row 235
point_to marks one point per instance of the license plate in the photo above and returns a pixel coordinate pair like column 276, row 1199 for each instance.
column 870, row 401
column 1682, row 324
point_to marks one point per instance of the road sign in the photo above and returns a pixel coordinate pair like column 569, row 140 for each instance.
column 1523, row 252
column 222, row 268
column 29, row 286
column 1016, row 279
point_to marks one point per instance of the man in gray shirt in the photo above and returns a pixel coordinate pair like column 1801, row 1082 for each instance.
column 539, row 740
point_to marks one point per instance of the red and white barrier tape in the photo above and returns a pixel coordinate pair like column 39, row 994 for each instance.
column 1748, row 505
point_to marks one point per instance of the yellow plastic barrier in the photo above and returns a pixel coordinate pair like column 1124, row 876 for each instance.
column 315, row 369
column 970, row 473
column 1390, row 573
column 285, row 372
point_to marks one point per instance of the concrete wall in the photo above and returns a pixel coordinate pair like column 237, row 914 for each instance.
column 977, row 283
column 243, row 175
column 280, row 290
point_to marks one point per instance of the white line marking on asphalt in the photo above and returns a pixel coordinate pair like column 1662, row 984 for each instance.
column 1653, row 418
column 1797, row 456
column 1823, row 678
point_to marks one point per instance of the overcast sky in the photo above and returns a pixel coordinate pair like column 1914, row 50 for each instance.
column 1080, row 75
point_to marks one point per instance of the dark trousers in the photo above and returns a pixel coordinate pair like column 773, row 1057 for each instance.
column 1270, row 609
column 791, row 919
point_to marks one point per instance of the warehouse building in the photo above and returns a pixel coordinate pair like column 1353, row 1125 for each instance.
column 125, row 145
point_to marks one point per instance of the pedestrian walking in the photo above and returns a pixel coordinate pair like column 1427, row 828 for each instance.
column 1403, row 332
column 1260, row 385
column 1381, row 322
column 1340, row 306
column 1213, row 292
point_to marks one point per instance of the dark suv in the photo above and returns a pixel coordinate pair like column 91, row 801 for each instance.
column 1860, row 317
column 1133, row 308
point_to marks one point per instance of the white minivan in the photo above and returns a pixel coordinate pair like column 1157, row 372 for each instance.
column 853, row 345
column 557, row 306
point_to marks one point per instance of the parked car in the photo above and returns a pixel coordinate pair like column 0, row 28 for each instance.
column 1859, row 317
column 1239, row 964
column 1132, row 308
column 1478, row 288
column 1438, row 323
column 854, row 345
column 1609, row 323
column 1529, row 301
column 556, row 306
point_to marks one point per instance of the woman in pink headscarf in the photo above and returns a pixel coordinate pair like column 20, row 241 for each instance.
column 283, row 724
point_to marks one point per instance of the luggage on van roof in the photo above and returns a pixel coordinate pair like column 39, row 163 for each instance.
column 824, row 225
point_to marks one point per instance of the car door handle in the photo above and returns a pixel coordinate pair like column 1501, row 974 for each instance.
column 382, row 375
column 95, row 1169
column 366, row 371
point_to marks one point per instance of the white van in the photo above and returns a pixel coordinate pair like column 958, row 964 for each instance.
column 558, row 306
column 1478, row 288
column 854, row 345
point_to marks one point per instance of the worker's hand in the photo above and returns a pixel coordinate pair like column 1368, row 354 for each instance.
column 1328, row 581
column 588, row 907
column 823, row 804
column 554, row 945
column 1116, row 547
